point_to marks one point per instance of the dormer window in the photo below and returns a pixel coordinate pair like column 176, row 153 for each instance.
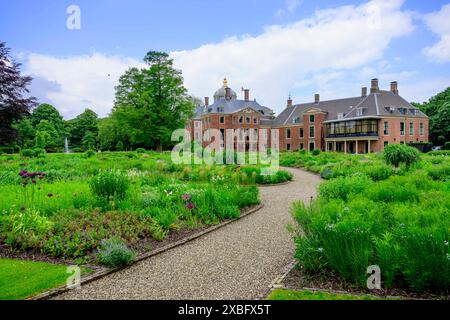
column 341, row 115
column 414, row 111
column 296, row 120
column 402, row 110
column 359, row 112
column 390, row 109
column 262, row 111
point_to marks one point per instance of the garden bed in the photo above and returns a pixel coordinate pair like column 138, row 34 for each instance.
column 388, row 210
column 297, row 279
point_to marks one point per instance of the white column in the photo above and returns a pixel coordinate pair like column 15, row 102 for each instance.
column 334, row 144
column 356, row 147
column 326, row 146
column 368, row 148
column 345, row 146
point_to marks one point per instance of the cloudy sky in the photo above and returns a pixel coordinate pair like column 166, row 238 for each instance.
column 274, row 48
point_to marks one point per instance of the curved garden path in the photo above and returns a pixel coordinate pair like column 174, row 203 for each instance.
column 238, row 261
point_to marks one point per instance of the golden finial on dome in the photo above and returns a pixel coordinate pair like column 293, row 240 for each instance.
column 225, row 83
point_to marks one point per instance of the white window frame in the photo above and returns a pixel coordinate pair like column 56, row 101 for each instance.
column 314, row 131
column 386, row 128
column 288, row 136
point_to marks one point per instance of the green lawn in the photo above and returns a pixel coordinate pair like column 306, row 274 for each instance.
column 20, row 279
column 283, row 294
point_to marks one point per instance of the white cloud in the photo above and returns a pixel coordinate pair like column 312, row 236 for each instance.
column 319, row 53
column 272, row 63
column 84, row 81
column 289, row 7
column 439, row 23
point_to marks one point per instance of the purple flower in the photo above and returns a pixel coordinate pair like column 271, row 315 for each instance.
column 33, row 181
column 186, row 197
column 23, row 173
column 50, row 195
column 190, row 206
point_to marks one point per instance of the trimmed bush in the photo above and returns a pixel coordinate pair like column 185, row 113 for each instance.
column 114, row 253
column 315, row 152
column 140, row 150
column 396, row 154
column 32, row 153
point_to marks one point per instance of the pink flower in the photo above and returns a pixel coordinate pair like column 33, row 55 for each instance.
column 186, row 197
column 190, row 206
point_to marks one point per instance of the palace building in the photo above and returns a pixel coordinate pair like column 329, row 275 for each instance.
column 360, row 124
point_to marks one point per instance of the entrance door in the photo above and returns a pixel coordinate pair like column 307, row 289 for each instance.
column 351, row 147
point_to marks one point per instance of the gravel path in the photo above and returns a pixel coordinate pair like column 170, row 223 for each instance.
column 238, row 261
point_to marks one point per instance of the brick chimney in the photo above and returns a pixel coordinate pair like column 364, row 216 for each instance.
column 394, row 87
column 246, row 94
column 289, row 101
column 374, row 86
column 316, row 98
column 364, row 92
column 228, row 93
column 206, row 101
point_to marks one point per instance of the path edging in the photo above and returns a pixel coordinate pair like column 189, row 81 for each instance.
column 104, row 272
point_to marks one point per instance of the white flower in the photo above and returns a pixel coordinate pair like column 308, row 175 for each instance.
column 448, row 256
column 446, row 243
column 320, row 249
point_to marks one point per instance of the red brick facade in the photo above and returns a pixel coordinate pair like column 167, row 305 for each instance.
column 309, row 131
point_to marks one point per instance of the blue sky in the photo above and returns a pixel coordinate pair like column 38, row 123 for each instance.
column 275, row 48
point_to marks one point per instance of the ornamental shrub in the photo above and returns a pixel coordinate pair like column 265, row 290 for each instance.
column 110, row 185
column 396, row 154
column 114, row 253
column 32, row 153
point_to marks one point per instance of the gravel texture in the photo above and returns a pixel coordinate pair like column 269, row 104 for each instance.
column 238, row 261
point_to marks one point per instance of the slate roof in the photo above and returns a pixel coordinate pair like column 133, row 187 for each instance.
column 231, row 106
column 382, row 103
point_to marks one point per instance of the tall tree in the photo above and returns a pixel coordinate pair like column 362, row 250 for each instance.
column 151, row 103
column 438, row 110
column 86, row 121
column 53, row 123
column 13, row 103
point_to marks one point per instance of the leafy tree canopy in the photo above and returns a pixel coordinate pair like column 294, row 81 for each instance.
column 438, row 110
column 151, row 103
column 14, row 104
column 83, row 123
